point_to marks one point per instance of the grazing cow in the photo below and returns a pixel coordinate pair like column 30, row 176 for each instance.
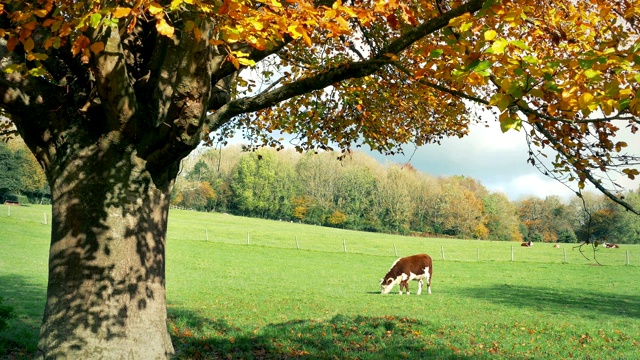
column 611, row 246
column 557, row 246
column 416, row 267
column 527, row 244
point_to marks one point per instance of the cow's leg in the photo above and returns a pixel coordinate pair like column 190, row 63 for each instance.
column 404, row 284
column 419, row 287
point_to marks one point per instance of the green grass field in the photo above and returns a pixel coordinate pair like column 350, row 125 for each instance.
column 250, row 292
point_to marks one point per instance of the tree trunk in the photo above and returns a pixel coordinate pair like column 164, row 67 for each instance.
column 106, row 291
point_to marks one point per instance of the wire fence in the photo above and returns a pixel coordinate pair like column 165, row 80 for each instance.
column 451, row 249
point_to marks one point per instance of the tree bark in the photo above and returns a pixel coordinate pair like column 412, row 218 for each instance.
column 106, row 292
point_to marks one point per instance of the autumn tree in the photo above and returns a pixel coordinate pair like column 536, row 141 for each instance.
column 111, row 95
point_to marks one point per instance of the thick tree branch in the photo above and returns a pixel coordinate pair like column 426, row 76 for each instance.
column 340, row 73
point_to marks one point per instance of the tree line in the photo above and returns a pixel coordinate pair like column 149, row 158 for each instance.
column 357, row 192
column 21, row 177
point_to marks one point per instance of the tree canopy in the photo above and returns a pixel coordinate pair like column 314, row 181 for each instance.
column 111, row 95
column 338, row 74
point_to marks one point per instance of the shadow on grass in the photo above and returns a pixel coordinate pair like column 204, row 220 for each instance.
column 20, row 339
column 583, row 303
column 341, row 337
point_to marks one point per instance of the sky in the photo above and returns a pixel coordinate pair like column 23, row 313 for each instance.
column 498, row 160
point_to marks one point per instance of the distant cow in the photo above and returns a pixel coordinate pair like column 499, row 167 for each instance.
column 557, row 246
column 527, row 244
column 611, row 246
column 416, row 267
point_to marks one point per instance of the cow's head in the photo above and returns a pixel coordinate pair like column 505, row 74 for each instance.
column 386, row 285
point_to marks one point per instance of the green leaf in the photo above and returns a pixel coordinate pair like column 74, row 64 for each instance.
column 12, row 68
column 624, row 103
column 510, row 123
column 635, row 47
column 436, row 53
column 479, row 66
column 501, row 101
column 637, row 77
column 37, row 72
column 520, row 44
column 590, row 74
column 95, row 20
column 586, row 64
column 466, row 26
column 530, row 59
column 612, row 88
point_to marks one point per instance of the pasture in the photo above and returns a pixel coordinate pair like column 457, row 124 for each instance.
column 252, row 291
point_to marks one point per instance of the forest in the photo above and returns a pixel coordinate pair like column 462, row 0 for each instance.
column 357, row 192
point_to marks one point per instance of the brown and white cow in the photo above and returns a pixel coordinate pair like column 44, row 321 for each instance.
column 527, row 244
column 611, row 246
column 416, row 267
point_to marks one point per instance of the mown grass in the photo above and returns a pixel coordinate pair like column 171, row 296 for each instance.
column 269, row 299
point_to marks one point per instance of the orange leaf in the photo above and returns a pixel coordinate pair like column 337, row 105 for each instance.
column 80, row 44
column 121, row 12
column 97, row 47
column 12, row 42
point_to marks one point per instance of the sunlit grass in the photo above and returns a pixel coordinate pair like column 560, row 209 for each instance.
column 269, row 299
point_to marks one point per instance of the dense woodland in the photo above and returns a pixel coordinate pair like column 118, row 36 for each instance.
column 357, row 192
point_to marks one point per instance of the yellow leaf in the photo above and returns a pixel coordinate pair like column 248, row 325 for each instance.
column 155, row 8
column 460, row 19
column 499, row 46
column 585, row 100
column 552, row 110
column 164, row 28
column 634, row 106
column 490, row 35
column 41, row 13
column 121, row 12
column 247, row 62
column 28, row 45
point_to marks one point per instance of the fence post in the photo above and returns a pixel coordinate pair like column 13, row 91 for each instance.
column 565, row 255
column 297, row 245
column 395, row 250
column 206, row 233
column 45, row 218
column 344, row 244
column 443, row 253
column 511, row 252
column 627, row 257
column 248, row 239
column 8, row 210
column 478, row 254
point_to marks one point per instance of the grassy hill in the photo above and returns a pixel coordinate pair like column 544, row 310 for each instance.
column 249, row 288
